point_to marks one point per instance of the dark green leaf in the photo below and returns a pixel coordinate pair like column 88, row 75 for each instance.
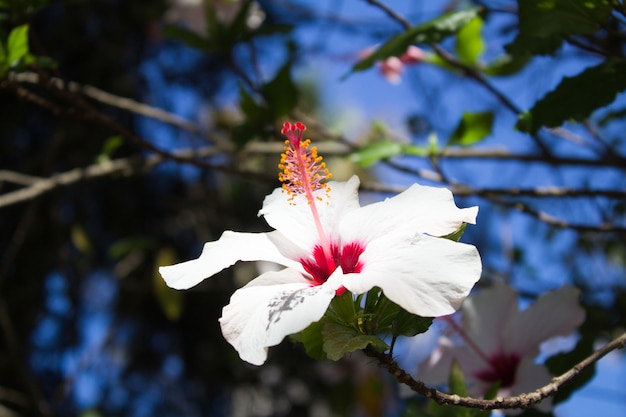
column 170, row 300
column 408, row 324
column 281, row 93
column 127, row 245
column 469, row 42
column 313, row 340
column 343, row 310
column 188, row 37
column 472, row 128
column 339, row 340
column 575, row 98
column 429, row 32
column 545, row 24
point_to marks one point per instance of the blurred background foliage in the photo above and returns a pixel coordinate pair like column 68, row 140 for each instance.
column 134, row 131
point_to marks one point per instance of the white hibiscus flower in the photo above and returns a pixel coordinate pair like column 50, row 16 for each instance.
column 329, row 244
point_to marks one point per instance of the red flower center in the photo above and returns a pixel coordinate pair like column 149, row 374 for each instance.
column 503, row 368
column 346, row 256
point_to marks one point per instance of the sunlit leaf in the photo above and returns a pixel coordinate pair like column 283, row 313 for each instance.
column 545, row 24
column 575, row 98
column 368, row 155
column 469, row 42
column 507, row 65
column 17, row 45
column 170, row 301
column 339, row 340
column 472, row 128
column 429, row 32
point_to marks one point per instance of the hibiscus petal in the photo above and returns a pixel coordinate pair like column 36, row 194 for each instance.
column 272, row 306
column 420, row 209
column 435, row 370
column 487, row 313
column 556, row 313
column 220, row 254
column 425, row 275
column 294, row 219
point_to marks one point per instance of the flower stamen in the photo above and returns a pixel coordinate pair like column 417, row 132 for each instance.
column 302, row 172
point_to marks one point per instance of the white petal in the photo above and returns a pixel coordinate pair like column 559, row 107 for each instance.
column 420, row 209
column 556, row 313
column 294, row 219
column 272, row 306
column 435, row 370
column 220, row 254
column 486, row 314
column 425, row 275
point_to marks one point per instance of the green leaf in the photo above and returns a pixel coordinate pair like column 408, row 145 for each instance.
column 429, row 32
column 281, row 93
column 408, row 324
column 342, row 310
column 17, row 45
column 545, row 24
column 4, row 65
column 457, row 234
column 170, row 301
column 457, row 380
column 370, row 154
column 507, row 65
column 188, row 37
column 469, row 42
column 472, row 128
column 313, row 340
column 339, row 340
column 575, row 98
column 130, row 244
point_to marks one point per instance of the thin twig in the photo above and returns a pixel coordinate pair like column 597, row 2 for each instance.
column 124, row 166
column 519, row 401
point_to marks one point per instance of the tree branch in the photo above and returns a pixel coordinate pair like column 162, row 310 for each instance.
column 519, row 401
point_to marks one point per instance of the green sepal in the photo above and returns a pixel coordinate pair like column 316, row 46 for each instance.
column 457, row 234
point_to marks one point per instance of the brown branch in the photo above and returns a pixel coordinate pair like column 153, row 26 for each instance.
column 519, row 401
column 124, row 166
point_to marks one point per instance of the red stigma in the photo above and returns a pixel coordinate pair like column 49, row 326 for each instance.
column 293, row 132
